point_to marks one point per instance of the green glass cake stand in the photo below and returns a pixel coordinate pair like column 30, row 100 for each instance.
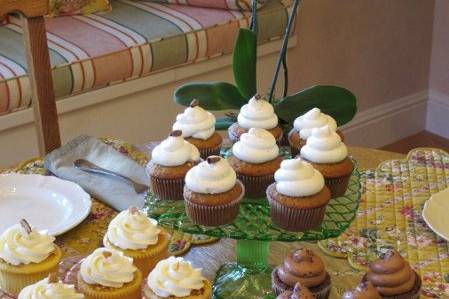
column 250, row 275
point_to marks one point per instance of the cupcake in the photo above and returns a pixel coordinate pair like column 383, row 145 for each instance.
column 138, row 237
column 299, row 292
column 176, row 278
column 305, row 267
column 255, row 158
column 303, row 125
column 393, row 277
column 327, row 153
column 298, row 198
column 50, row 288
column 212, row 192
column 169, row 164
column 258, row 113
column 26, row 256
column 365, row 290
column 198, row 128
column 108, row 274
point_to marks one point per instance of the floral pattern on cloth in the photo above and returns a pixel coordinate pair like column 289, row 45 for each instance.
column 78, row 7
column 389, row 216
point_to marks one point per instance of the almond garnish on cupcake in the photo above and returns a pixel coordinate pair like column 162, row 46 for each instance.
column 138, row 237
column 169, row 164
column 26, row 256
column 255, row 158
column 198, row 128
column 258, row 113
column 50, row 288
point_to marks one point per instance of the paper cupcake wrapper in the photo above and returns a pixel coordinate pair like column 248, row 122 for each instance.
column 295, row 220
column 337, row 186
column 167, row 189
column 214, row 215
column 256, row 186
column 319, row 292
column 132, row 290
column 213, row 151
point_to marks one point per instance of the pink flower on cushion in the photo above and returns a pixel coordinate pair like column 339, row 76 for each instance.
column 70, row 6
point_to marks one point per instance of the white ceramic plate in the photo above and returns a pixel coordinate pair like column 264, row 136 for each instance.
column 46, row 202
column 435, row 213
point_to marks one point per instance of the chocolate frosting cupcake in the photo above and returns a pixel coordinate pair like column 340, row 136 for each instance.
column 305, row 267
column 392, row 276
column 365, row 290
column 299, row 292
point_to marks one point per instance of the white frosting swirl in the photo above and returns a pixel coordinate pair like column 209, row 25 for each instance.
column 256, row 146
column 195, row 122
column 258, row 113
column 108, row 271
column 175, row 151
column 298, row 178
column 313, row 119
column 324, row 146
column 19, row 247
column 211, row 178
column 133, row 230
column 175, row 277
column 45, row 290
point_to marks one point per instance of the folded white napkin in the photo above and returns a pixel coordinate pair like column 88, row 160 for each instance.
column 112, row 191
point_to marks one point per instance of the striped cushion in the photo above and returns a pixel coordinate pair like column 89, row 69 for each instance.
column 75, row 7
column 133, row 40
column 223, row 4
column 3, row 20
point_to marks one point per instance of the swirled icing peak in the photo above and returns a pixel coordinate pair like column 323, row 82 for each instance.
column 365, row 290
column 132, row 229
column 324, row 146
column 212, row 176
column 108, row 268
column 21, row 244
column 258, row 113
column 256, row 146
column 195, row 122
column 304, row 266
column 46, row 289
column 297, row 178
column 175, row 277
column 391, row 274
column 175, row 151
column 313, row 119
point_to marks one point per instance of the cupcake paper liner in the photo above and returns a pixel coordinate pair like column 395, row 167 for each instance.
column 213, row 151
column 321, row 291
column 167, row 189
column 214, row 215
column 256, row 186
column 296, row 220
column 132, row 290
column 337, row 186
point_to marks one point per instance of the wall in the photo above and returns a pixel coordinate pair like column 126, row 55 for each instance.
column 438, row 112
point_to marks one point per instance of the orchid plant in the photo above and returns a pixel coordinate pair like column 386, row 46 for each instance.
column 336, row 101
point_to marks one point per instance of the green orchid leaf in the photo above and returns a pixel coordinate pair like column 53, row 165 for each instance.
column 223, row 123
column 244, row 63
column 213, row 96
column 336, row 101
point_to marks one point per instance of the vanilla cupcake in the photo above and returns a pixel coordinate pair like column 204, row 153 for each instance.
column 138, row 237
column 212, row 193
column 26, row 256
column 198, row 128
column 298, row 198
column 258, row 113
column 255, row 158
column 303, row 125
column 169, row 164
column 108, row 274
column 176, row 278
column 50, row 288
column 327, row 153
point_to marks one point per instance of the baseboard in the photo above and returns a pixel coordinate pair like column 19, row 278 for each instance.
column 381, row 125
column 438, row 114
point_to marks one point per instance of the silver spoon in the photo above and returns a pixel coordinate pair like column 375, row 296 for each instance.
column 88, row 166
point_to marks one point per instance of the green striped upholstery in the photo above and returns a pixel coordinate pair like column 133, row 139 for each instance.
column 134, row 40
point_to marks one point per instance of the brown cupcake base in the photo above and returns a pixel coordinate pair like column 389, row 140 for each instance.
column 321, row 291
column 412, row 294
column 208, row 147
column 167, row 188
column 295, row 142
column 256, row 186
column 337, row 186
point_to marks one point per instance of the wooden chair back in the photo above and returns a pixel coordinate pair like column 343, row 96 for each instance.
column 32, row 13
